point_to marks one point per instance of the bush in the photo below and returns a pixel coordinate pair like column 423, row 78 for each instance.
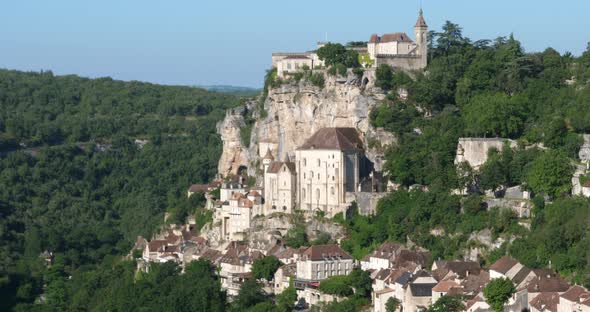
column 317, row 79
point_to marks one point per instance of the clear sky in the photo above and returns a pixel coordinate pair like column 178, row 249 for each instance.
column 204, row 42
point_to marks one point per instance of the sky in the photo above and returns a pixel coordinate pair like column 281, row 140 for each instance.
column 229, row 42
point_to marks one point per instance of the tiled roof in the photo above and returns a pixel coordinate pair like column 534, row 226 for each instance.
column 422, row 290
column 546, row 301
column 503, row 264
column 275, row 166
column 199, row 188
column 574, row 293
column 321, row 252
column 548, row 284
column 392, row 37
column 342, row 139
column 156, row 244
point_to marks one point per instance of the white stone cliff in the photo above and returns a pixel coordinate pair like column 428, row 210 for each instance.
column 295, row 111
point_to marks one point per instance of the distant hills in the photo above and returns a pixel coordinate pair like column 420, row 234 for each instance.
column 237, row 90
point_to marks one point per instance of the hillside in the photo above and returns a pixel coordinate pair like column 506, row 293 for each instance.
column 89, row 164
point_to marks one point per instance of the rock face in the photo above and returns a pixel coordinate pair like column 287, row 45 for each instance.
column 234, row 153
column 294, row 111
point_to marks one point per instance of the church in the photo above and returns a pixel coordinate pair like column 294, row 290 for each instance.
column 325, row 168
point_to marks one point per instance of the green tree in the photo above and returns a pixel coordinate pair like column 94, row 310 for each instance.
column 392, row 304
column 447, row 304
column 491, row 115
column 550, row 174
column 497, row 292
column 265, row 268
column 250, row 295
column 335, row 53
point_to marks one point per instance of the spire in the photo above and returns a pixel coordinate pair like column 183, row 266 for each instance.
column 420, row 22
column 268, row 155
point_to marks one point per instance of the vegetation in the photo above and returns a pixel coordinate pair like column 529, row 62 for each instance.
column 447, row 304
column 497, row 292
column 265, row 268
column 75, row 182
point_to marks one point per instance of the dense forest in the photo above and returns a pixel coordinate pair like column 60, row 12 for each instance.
column 75, row 181
column 486, row 88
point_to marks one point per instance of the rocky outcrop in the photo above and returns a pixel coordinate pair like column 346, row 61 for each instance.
column 474, row 151
column 294, row 111
column 234, row 153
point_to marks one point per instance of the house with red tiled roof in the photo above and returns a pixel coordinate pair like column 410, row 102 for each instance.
column 577, row 298
column 279, row 185
column 236, row 213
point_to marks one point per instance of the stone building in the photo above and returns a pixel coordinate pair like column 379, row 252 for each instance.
column 322, row 261
column 279, row 185
column 291, row 62
column 235, row 215
column 329, row 165
column 398, row 50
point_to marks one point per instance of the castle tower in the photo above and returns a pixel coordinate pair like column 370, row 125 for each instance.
column 421, row 33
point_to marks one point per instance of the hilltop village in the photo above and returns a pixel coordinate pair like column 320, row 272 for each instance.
column 312, row 160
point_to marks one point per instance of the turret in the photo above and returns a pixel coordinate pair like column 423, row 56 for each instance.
column 268, row 158
column 421, row 33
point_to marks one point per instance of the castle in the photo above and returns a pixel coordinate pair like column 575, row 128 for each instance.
column 394, row 49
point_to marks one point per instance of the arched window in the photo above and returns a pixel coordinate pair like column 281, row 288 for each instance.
column 317, row 194
column 304, row 162
column 319, row 163
column 311, row 174
column 304, row 175
column 332, row 190
column 318, row 176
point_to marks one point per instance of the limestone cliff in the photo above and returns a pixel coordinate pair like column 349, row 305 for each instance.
column 295, row 110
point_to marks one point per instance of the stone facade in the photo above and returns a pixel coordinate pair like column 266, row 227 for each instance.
column 322, row 261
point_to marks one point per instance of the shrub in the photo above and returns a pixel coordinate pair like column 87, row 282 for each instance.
column 317, row 79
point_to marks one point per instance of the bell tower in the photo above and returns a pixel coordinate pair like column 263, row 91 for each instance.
column 421, row 33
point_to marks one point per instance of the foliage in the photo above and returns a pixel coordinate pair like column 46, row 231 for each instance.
column 392, row 304
column 335, row 53
column 296, row 236
column 447, row 304
column 357, row 282
column 249, row 296
column 286, row 300
column 265, row 268
column 79, row 185
column 317, row 79
column 494, row 115
column 550, row 174
column 497, row 292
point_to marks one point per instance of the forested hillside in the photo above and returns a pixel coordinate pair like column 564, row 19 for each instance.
column 485, row 88
column 74, row 180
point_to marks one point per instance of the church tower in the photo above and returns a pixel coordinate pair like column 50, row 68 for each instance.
column 421, row 33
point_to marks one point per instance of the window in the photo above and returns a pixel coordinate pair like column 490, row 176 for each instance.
column 284, row 168
column 304, row 162
column 317, row 194
column 311, row 174
column 303, row 193
column 319, row 163
column 318, row 176
column 332, row 190
column 304, row 175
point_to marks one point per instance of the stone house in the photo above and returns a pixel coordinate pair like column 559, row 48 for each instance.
column 418, row 292
column 235, row 266
column 381, row 258
column 545, row 302
column 389, row 283
column 235, row 215
column 322, row 261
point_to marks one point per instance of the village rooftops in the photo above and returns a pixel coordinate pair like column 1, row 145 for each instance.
column 546, row 301
column 503, row 265
column 342, row 139
column 325, row 252
column 576, row 294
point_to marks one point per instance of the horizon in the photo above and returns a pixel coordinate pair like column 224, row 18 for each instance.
column 230, row 44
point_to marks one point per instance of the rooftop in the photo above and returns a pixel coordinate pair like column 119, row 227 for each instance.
column 321, row 252
column 342, row 139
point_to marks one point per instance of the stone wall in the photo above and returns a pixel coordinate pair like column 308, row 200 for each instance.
column 404, row 62
column 474, row 151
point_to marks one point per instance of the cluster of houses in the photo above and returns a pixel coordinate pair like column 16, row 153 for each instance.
column 396, row 271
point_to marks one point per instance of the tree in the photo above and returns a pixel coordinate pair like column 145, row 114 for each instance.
column 497, row 292
column 447, row 304
column 383, row 76
column 265, row 268
column 493, row 115
column 550, row 174
column 250, row 294
column 335, row 53
column 286, row 300
column 392, row 304
column 361, row 281
column 336, row 285
column 296, row 237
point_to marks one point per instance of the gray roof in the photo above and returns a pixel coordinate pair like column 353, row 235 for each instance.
column 422, row 290
column 342, row 139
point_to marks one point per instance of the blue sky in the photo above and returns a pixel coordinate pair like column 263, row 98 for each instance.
column 203, row 42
